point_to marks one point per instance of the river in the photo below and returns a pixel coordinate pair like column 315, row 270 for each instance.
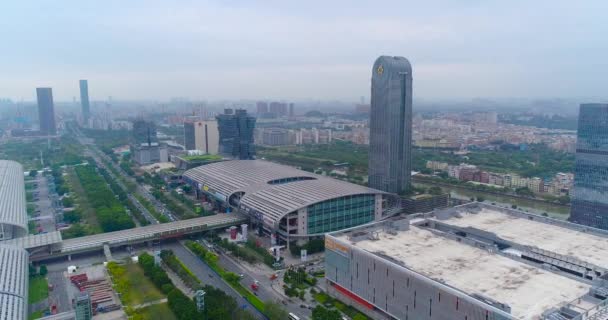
column 554, row 211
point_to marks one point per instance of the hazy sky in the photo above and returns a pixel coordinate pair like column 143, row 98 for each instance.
column 302, row 49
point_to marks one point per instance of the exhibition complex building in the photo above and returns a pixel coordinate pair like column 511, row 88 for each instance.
column 471, row 262
column 13, row 260
column 289, row 203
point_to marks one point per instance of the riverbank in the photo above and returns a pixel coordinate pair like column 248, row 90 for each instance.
column 464, row 187
column 537, row 207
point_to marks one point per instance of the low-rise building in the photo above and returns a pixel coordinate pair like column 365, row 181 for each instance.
column 437, row 165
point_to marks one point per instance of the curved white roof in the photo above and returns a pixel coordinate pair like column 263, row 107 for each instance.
column 274, row 200
column 12, row 197
column 13, row 283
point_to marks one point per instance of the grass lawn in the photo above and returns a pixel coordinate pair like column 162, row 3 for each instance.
column 134, row 287
column 38, row 289
column 157, row 311
column 35, row 315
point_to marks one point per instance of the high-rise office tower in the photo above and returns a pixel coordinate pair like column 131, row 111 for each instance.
column 236, row 134
column 84, row 100
column 144, row 133
column 202, row 135
column 590, row 201
column 390, row 126
column 46, row 111
column 291, row 110
column 189, row 135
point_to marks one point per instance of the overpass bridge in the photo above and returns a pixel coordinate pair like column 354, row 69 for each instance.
column 50, row 245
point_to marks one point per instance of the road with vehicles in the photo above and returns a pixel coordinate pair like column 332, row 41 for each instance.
column 207, row 276
column 268, row 291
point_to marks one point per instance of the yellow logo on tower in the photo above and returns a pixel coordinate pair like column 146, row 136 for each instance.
column 380, row 70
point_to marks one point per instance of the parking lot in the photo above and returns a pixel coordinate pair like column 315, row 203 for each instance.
column 46, row 204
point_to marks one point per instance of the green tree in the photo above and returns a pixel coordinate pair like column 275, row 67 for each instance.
column 33, row 173
column 322, row 313
column 32, row 270
column 563, row 199
column 232, row 277
column 67, row 202
column 43, row 270
column 183, row 307
column 75, row 231
column 72, row 216
column 275, row 311
column 146, row 261
column 359, row 316
column 434, row 190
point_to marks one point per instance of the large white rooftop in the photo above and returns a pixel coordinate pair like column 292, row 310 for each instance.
column 565, row 241
column 528, row 290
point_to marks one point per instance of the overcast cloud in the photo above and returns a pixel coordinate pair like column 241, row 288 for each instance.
column 302, row 49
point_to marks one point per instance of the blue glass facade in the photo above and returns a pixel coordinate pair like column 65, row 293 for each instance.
column 590, row 201
column 390, row 126
column 340, row 213
column 236, row 134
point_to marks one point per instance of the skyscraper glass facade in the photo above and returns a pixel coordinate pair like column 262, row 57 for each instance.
column 189, row 138
column 590, row 201
column 84, row 100
column 236, row 134
column 46, row 111
column 144, row 133
column 390, row 161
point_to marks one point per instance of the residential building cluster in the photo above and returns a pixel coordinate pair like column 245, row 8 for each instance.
column 481, row 130
column 274, row 109
column 281, row 137
column 560, row 185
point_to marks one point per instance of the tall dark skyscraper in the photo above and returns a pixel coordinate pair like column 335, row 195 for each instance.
column 46, row 111
column 189, row 135
column 236, row 134
column 144, row 133
column 390, row 126
column 84, row 100
column 590, row 201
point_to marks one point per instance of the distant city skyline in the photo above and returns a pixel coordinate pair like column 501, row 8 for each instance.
column 312, row 50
